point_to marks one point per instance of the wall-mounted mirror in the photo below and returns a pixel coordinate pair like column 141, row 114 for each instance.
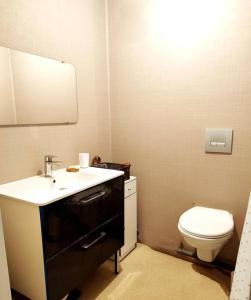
column 36, row 90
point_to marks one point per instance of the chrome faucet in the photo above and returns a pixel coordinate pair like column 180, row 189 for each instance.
column 48, row 165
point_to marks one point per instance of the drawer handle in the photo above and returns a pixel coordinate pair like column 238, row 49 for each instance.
column 87, row 246
column 90, row 199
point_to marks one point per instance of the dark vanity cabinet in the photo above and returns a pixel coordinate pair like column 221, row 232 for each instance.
column 79, row 233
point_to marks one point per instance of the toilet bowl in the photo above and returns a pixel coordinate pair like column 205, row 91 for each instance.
column 206, row 229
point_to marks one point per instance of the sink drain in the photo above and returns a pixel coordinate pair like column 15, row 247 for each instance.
column 63, row 188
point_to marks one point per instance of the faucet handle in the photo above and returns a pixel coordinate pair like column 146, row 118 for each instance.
column 49, row 158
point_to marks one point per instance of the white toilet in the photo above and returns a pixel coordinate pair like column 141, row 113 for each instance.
column 206, row 229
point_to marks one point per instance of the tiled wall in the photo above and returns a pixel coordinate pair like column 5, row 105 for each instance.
column 75, row 32
column 169, row 82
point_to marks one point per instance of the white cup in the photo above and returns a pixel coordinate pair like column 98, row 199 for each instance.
column 84, row 160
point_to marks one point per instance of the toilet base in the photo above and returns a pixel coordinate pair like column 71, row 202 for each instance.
column 206, row 255
column 207, row 248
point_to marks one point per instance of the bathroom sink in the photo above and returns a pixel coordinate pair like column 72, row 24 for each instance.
column 60, row 181
column 71, row 178
column 40, row 190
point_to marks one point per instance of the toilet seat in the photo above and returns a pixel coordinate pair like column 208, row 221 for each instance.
column 202, row 236
column 208, row 223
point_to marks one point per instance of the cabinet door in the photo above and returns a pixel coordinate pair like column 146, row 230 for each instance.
column 130, row 224
column 70, row 268
column 4, row 282
column 65, row 221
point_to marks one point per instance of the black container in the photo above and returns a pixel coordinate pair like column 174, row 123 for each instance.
column 114, row 166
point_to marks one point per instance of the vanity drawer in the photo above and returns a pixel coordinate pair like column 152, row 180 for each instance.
column 130, row 188
column 69, row 269
column 69, row 219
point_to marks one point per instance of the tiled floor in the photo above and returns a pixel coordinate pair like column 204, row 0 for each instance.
column 148, row 274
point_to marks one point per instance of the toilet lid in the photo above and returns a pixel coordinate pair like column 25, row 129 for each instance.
column 207, row 222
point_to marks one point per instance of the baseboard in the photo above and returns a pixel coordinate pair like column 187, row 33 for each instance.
column 226, row 267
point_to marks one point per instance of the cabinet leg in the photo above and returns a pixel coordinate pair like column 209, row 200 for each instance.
column 116, row 263
column 74, row 294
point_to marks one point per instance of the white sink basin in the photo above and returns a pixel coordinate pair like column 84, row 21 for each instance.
column 40, row 190
column 70, row 178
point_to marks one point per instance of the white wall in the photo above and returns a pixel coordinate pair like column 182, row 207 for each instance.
column 178, row 67
column 72, row 31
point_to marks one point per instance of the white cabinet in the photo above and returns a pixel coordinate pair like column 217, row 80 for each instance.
column 130, row 217
column 4, row 282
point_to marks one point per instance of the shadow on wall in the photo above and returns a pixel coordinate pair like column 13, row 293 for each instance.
column 216, row 275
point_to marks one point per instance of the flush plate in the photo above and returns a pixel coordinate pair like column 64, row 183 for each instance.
column 219, row 140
